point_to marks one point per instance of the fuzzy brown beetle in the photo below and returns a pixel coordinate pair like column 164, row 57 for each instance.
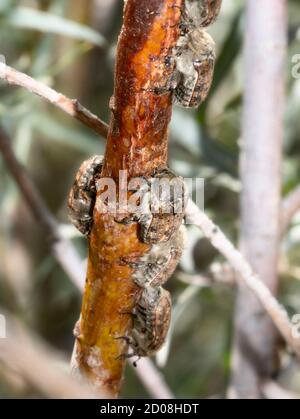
column 195, row 61
column 151, row 322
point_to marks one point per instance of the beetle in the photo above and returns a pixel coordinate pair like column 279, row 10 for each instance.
column 151, row 322
column 156, row 266
column 82, row 196
column 195, row 61
column 200, row 13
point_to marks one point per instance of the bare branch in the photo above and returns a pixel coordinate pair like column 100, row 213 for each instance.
column 70, row 106
column 27, row 188
column 153, row 380
column 20, row 351
column 261, row 156
column 273, row 391
column 290, row 206
column 218, row 273
column 63, row 250
column 245, row 275
column 149, row 33
column 199, row 280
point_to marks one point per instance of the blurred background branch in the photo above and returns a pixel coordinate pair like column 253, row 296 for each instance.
column 245, row 274
column 50, row 374
column 71, row 106
column 261, row 162
column 62, row 249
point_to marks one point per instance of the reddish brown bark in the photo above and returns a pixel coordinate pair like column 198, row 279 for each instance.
column 138, row 134
column 137, row 142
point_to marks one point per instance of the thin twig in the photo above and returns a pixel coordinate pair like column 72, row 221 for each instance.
column 245, row 274
column 217, row 274
column 273, row 391
column 289, row 207
column 199, row 280
column 152, row 379
column 27, row 188
column 21, row 350
column 63, row 250
column 71, row 106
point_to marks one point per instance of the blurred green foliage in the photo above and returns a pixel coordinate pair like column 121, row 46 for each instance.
column 70, row 46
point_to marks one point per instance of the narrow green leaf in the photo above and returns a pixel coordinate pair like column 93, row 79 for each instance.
column 75, row 138
column 28, row 18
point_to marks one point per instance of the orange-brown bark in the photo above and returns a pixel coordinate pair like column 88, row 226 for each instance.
column 139, row 128
column 137, row 142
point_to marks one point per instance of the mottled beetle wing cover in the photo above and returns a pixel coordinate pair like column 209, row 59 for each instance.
column 162, row 320
column 169, row 212
column 159, row 263
column 195, row 63
column 204, row 66
column 202, row 13
column 83, row 194
column 151, row 321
